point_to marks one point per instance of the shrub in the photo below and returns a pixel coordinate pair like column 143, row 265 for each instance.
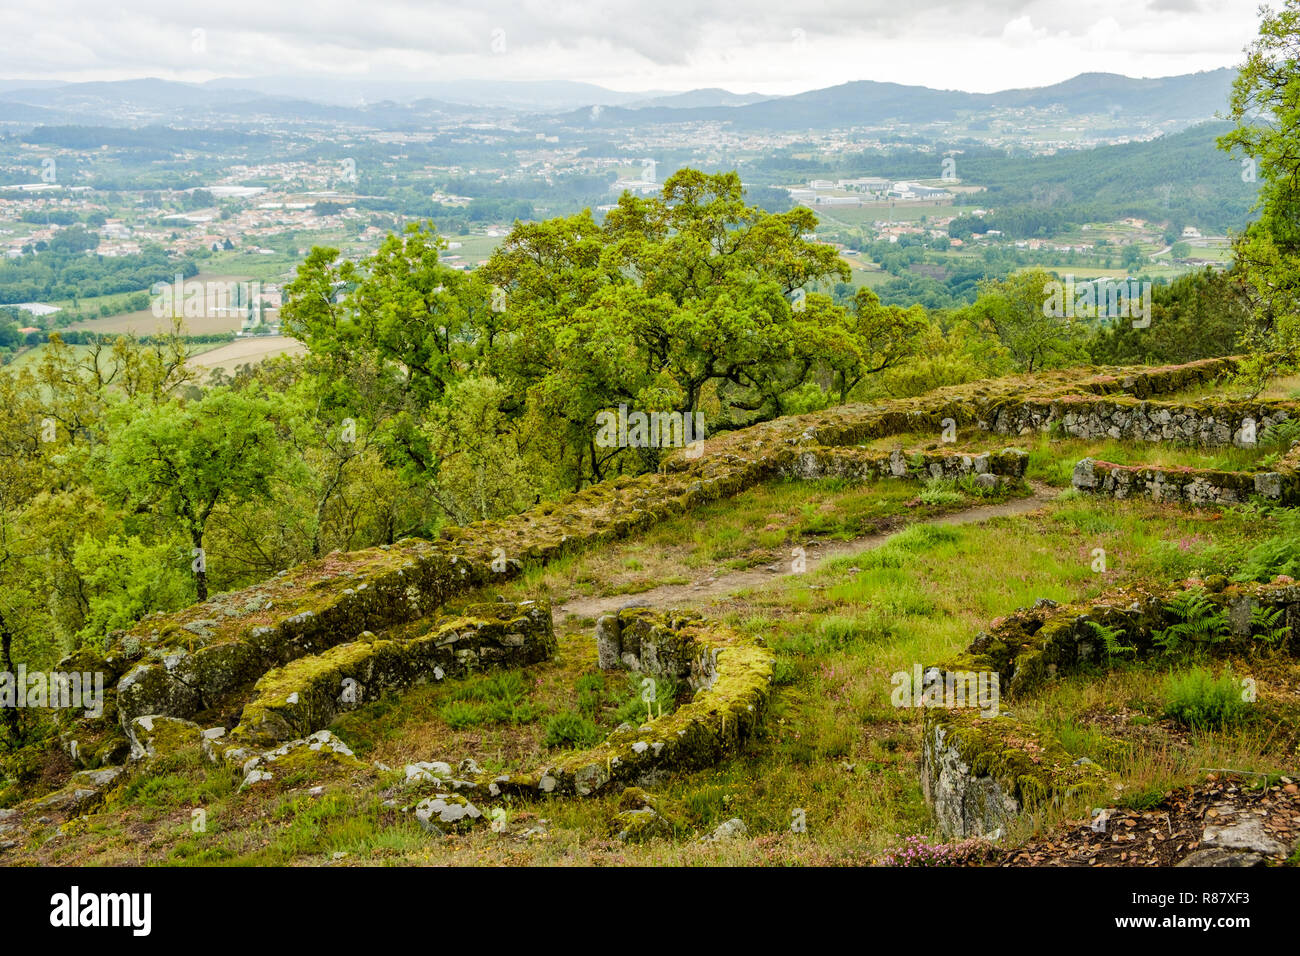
column 940, row 491
column 568, row 729
column 1199, row 700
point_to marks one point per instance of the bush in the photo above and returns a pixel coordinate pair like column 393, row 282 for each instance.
column 571, row 730
column 1279, row 554
column 1198, row 699
column 940, row 491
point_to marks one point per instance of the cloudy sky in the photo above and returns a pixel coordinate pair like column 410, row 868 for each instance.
column 767, row 46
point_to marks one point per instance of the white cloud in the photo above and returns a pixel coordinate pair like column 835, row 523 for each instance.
column 761, row 45
column 1021, row 31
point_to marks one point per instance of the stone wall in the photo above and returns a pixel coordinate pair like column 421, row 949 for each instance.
column 992, row 470
column 979, row 773
column 1191, row 485
column 731, row 676
column 1208, row 424
column 305, row 695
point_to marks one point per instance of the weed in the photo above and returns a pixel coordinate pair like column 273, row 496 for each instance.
column 568, row 729
column 1199, row 700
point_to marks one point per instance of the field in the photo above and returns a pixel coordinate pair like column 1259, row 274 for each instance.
column 245, row 351
column 145, row 322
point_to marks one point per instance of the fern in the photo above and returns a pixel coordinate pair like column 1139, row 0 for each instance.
column 1111, row 639
column 1199, row 622
column 1264, row 625
column 1281, row 435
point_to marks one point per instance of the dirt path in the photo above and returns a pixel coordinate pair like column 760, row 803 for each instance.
column 684, row 595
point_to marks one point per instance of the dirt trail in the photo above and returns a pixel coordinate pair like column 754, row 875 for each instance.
column 684, row 595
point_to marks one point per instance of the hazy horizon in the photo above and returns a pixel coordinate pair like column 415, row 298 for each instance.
column 763, row 48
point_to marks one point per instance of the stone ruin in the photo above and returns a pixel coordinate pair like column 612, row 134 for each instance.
column 255, row 677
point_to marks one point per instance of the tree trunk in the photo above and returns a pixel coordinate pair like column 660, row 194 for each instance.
column 200, row 572
column 9, row 714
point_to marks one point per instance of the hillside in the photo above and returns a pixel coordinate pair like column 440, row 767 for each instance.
column 647, row 677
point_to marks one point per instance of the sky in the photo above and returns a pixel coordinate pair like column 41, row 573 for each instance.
column 763, row 46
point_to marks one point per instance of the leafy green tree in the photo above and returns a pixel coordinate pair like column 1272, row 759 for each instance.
column 182, row 460
column 878, row 337
column 1015, row 311
column 1265, row 105
column 1198, row 315
column 677, row 300
column 481, row 472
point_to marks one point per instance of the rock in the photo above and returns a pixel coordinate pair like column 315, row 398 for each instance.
column 321, row 753
column 254, row 777
column 643, row 823
column 151, row 689
column 607, row 642
column 639, row 818
column 733, row 829
column 1084, row 475
column 1268, row 484
column 97, row 779
column 154, row 735
column 428, row 772
column 966, row 804
column 1246, row 835
column 447, row 809
column 1220, row 856
column 71, row 801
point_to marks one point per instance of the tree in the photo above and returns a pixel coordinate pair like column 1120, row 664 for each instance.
column 688, row 296
column 1015, row 311
column 1265, row 105
column 878, row 337
column 1198, row 315
column 183, row 460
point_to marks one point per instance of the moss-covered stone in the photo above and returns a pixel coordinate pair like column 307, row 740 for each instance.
column 306, row 694
column 640, row 817
column 156, row 736
column 978, row 774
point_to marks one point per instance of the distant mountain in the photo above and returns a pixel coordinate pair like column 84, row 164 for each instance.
column 1184, row 99
column 149, row 93
column 700, row 98
column 1175, row 97
column 1188, row 97
column 512, row 94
